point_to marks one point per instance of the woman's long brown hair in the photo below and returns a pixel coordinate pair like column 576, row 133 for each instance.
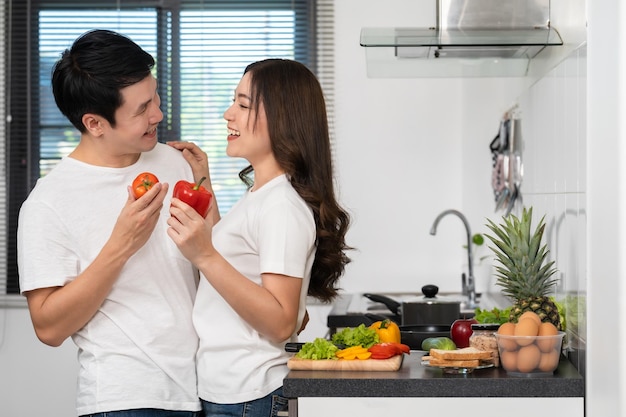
column 298, row 128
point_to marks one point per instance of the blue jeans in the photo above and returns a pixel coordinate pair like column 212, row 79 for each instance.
column 146, row 412
column 268, row 406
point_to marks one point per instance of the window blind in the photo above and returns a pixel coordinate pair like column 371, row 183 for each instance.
column 201, row 48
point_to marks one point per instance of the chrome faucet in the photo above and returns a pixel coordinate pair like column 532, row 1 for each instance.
column 471, row 286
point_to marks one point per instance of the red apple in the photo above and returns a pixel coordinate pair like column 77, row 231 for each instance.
column 460, row 332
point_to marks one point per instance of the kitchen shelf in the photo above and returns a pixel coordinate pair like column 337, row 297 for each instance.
column 431, row 52
column 407, row 37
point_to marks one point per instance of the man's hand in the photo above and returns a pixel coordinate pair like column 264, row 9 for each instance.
column 138, row 218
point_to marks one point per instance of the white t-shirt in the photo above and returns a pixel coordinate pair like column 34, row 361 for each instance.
column 270, row 230
column 138, row 351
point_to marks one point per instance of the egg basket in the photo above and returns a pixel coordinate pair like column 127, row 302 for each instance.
column 529, row 356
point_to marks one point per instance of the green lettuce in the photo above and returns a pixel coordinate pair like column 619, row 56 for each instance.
column 494, row 315
column 320, row 348
column 355, row 336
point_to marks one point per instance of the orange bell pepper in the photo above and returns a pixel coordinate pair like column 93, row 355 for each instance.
column 387, row 331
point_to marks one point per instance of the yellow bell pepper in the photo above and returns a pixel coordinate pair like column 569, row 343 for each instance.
column 354, row 352
column 387, row 330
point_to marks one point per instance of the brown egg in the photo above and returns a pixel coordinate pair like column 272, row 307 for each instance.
column 507, row 329
column 508, row 360
column 547, row 343
column 549, row 361
column 528, row 358
column 531, row 315
column 527, row 328
column 547, row 329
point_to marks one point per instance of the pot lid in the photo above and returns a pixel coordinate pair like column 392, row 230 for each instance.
column 430, row 292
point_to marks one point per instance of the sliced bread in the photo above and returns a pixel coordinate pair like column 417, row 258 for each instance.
column 468, row 353
column 470, row 363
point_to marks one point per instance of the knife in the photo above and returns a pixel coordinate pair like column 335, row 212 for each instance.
column 294, row 347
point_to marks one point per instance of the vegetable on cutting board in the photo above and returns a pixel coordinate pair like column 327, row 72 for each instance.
column 320, row 348
column 358, row 343
column 355, row 336
column 387, row 330
column 354, row 352
column 388, row 350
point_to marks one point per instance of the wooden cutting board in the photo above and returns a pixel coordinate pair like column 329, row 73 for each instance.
column 391, row 364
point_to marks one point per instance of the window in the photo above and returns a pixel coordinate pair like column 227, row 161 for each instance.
column 201, row 48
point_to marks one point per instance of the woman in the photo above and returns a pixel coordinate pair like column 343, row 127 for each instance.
column 283, row 240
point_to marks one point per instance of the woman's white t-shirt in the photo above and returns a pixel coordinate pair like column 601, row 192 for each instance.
column 270, row 230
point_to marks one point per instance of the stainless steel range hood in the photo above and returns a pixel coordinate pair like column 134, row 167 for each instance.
column 477, row 37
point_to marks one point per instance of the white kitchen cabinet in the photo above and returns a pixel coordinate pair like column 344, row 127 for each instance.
column 458, row 406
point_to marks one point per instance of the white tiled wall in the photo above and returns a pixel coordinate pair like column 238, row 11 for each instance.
column 553, row 117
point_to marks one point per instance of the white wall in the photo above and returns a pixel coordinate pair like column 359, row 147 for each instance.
column 35, row 380
column 404, row 155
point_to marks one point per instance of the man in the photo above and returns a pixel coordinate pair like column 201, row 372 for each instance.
column 95, row 262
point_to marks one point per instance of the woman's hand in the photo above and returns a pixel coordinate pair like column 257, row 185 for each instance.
column 190, row 231
column 199, row 163
column 196, row 157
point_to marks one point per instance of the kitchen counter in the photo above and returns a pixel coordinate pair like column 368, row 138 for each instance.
column 416, row 385
column 416, row 380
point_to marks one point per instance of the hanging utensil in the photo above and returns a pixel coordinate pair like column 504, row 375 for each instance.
column 507, row 163
column 515, row 165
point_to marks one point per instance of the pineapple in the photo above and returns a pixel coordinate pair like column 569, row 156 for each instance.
column 523, row 272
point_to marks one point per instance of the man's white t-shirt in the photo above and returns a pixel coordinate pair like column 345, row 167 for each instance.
column 138, row 351
column 270, row 230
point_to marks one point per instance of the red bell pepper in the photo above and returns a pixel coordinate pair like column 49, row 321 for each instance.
column 388, row 350
column 195, row 195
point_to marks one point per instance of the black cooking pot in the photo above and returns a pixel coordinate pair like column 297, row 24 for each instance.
column 429, row 309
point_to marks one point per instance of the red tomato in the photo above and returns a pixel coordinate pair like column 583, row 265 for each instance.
column 143, row 183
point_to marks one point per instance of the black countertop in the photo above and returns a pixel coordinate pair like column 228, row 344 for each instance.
column 416, row 380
